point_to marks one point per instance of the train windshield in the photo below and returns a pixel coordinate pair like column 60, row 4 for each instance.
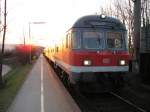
column 114, row 40
column 92, row 40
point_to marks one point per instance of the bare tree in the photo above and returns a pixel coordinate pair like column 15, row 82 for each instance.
column 145, row 16
column 122, row 10
column 0, row 16
column 145, row 12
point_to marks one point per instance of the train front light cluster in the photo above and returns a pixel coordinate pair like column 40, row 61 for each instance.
column 103, row 16
column 87, row 62
column 122, row 62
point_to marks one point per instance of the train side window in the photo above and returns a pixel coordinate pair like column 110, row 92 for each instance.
column 56, row 49
column 70, row 41
column 76, row 41
column 63, row 44
column 67, row 40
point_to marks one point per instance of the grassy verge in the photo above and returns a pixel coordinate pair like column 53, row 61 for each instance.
column 14, row 78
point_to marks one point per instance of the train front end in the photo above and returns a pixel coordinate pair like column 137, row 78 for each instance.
column 99, row 50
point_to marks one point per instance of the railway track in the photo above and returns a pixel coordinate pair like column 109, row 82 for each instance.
column 104, row 102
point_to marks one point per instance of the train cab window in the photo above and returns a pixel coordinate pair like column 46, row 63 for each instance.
column 114, row 40
column 75, row 40
column 92, row 40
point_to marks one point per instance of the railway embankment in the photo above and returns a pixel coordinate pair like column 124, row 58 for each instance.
column 15, row 74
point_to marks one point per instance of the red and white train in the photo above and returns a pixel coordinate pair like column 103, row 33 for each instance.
column 94, row 49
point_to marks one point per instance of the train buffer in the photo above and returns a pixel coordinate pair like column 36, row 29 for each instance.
column 43, row 92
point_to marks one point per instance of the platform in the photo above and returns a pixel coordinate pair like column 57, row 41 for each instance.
column 43, row 92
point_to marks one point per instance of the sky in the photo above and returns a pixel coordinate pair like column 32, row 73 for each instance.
column 58, row 15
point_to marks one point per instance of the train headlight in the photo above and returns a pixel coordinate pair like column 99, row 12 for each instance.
column 87, row 62
column 103, row 16
column 122, row 62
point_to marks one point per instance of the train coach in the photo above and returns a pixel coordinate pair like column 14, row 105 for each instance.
column 93, row 49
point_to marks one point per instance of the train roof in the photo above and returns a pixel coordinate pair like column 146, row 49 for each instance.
column 98, row 21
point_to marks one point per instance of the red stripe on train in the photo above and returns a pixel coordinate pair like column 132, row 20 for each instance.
column 103, row 58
